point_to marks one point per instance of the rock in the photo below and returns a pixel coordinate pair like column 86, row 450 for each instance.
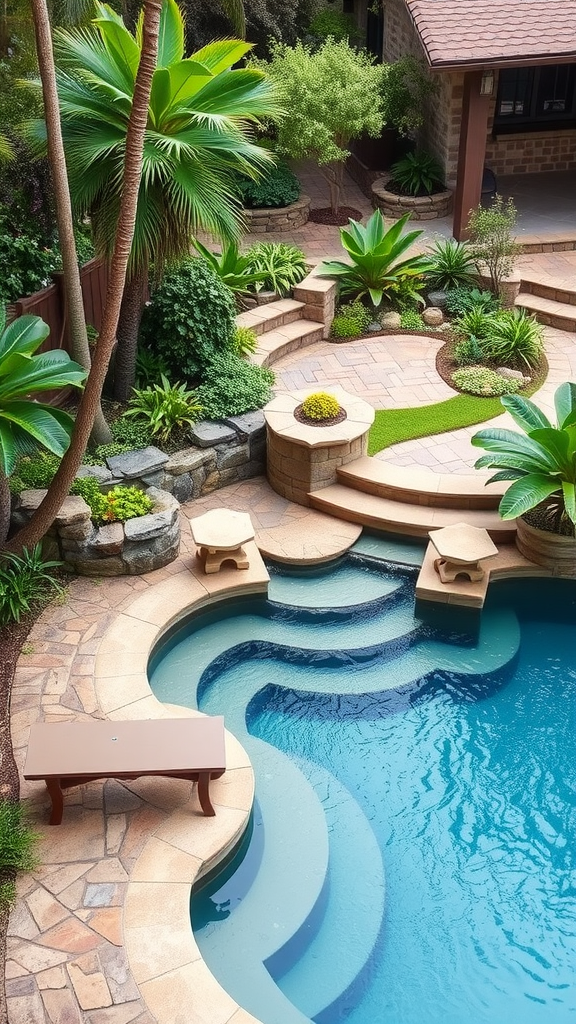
column 263, row 298
column 432, row 316
column 158, row 551
column 211, row 483
column 73, row 510
column 137, row 463
column 144, row 528
column 163, row 500
column 30, row 500
column 509, row 374
column 187, row 460
column 109, row 539
column 154, row 479
column 248, row 424
column 99, row 473
column 207, row 433
column 77, row 531
column 97, row 566
column 390, row 321
column 438, row 299
column 230, row 457
column 183, row 487
column 374, row 327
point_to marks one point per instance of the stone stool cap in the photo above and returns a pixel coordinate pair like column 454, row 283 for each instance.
column 222, row 528
column 463, row 544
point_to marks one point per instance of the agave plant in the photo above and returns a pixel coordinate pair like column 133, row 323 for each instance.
column 541, row 461
column 376, row 268
column 235, row 270
column 514, row 336
column 452, row 265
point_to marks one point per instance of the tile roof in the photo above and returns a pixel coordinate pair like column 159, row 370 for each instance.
column 493, row 32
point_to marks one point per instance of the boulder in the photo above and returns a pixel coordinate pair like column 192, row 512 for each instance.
column 432, row 316
column 438, row 299
column 390, row 321
column 137, row 463
column 207, row 433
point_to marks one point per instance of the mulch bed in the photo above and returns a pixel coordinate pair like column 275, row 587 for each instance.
column 326, row 216
column 446, row 365
column 299, row 415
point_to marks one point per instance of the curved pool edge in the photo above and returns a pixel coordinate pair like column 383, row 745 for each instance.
column 160, row 946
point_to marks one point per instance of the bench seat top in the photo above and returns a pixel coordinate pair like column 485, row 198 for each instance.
column 146, row 747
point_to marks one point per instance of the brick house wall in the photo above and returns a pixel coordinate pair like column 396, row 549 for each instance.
column 523, row 153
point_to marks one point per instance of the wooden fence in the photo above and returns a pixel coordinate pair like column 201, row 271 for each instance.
column 50, row 305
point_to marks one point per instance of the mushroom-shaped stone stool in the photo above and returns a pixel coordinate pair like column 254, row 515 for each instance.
column 219, row 535
column 460, row 549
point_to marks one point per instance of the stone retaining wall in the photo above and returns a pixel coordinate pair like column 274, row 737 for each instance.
column 278, row 218
column 419, row 207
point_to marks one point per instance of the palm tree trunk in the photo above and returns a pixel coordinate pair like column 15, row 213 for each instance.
column 128, row 328
column 74, row 302
column 49, row 507
column 5, row 502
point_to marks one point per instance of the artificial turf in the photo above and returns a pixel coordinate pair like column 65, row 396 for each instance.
column 394, row 425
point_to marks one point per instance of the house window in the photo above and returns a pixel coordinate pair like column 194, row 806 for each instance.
column 535, row 99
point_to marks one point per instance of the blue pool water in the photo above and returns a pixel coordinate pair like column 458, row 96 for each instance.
column 411, row 856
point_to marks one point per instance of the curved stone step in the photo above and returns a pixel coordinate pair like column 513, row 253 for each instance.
column 421, row 486
column 561, row 315
column 273, row 344
column 270, row 316
column 404, row 518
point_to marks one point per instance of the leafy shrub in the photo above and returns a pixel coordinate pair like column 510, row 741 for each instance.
column 164, row 407
column 233, row 269
column 190, row 319
column 116, row 506
column 417, row 174
column 405, row 292
column 282, row 265
column 411, row 320
column 328, row 22
column 469, row 352
column 493, row 245
column 461, row 300
column 405, row 88
column 149, row 367
column 479, row 380
column 375, row 253
column 350, row 320
column 452, row 265
column 475, row 323
column 245, row 341
column 129, row 435
column 320, row 406
column 514, row 337
column 23, row 579
column 17, row 848
column 233, row 386
column 25, row 266
column 279, row 187
column 32, row 471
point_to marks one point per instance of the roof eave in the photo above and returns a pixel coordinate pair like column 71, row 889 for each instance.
column 502, row 62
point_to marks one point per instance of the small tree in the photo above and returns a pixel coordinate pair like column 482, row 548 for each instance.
column 493, row 245
column 330, row 96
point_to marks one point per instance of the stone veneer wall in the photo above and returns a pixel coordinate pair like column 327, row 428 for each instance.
column 294, row 469
column 419, row 207
column 282, row 218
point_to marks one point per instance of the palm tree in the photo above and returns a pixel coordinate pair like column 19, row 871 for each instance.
column 198, row 131
column 131, row 173
column 22, row 420
column 71, row 272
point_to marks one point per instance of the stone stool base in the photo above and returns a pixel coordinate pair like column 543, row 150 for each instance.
column 449, row 571
column 213, row 558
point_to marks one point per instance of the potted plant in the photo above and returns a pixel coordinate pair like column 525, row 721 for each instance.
column 541, row 463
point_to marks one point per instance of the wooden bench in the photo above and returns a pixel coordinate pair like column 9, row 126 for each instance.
column 68, row 754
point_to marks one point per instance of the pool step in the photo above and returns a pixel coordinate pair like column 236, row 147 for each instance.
column 420, row 486
column 561, row 315
column 414, row 520
column 269, row 317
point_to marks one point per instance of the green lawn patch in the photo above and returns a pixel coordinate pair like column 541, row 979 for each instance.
column 394, row 425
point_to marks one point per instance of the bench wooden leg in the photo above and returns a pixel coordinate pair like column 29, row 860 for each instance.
column 203, row 794
column 53, row 787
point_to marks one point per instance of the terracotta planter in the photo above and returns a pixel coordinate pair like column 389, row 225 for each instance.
column 551, row 550
column 419, row 207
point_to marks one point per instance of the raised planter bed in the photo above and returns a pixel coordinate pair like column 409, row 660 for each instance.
column 419, row 207
column 278, row 218
column 551, row 550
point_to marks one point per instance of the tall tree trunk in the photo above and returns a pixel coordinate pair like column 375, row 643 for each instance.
column 49, row 507
column 71, row 274
column 128, row 328
column 5, row 501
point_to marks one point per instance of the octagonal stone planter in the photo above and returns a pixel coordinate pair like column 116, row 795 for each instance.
column 115, row 549
column 419, row 207
column 278, row 218
column 303, row 458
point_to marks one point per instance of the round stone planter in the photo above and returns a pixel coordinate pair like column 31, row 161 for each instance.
column 278, row 218
column 419, row 207
column 551, row 550
column 303, row 458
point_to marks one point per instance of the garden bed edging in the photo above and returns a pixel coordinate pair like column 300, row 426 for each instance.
column 261, row 220
column 419, row 207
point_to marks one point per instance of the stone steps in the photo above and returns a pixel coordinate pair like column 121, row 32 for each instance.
column 550, row 312
column 420, row 486
column 272, row 344
column 533, row 286
column 414, row 520
column 271, row 316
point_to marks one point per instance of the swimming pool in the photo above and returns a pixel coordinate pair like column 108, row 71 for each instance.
column 411, row 850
